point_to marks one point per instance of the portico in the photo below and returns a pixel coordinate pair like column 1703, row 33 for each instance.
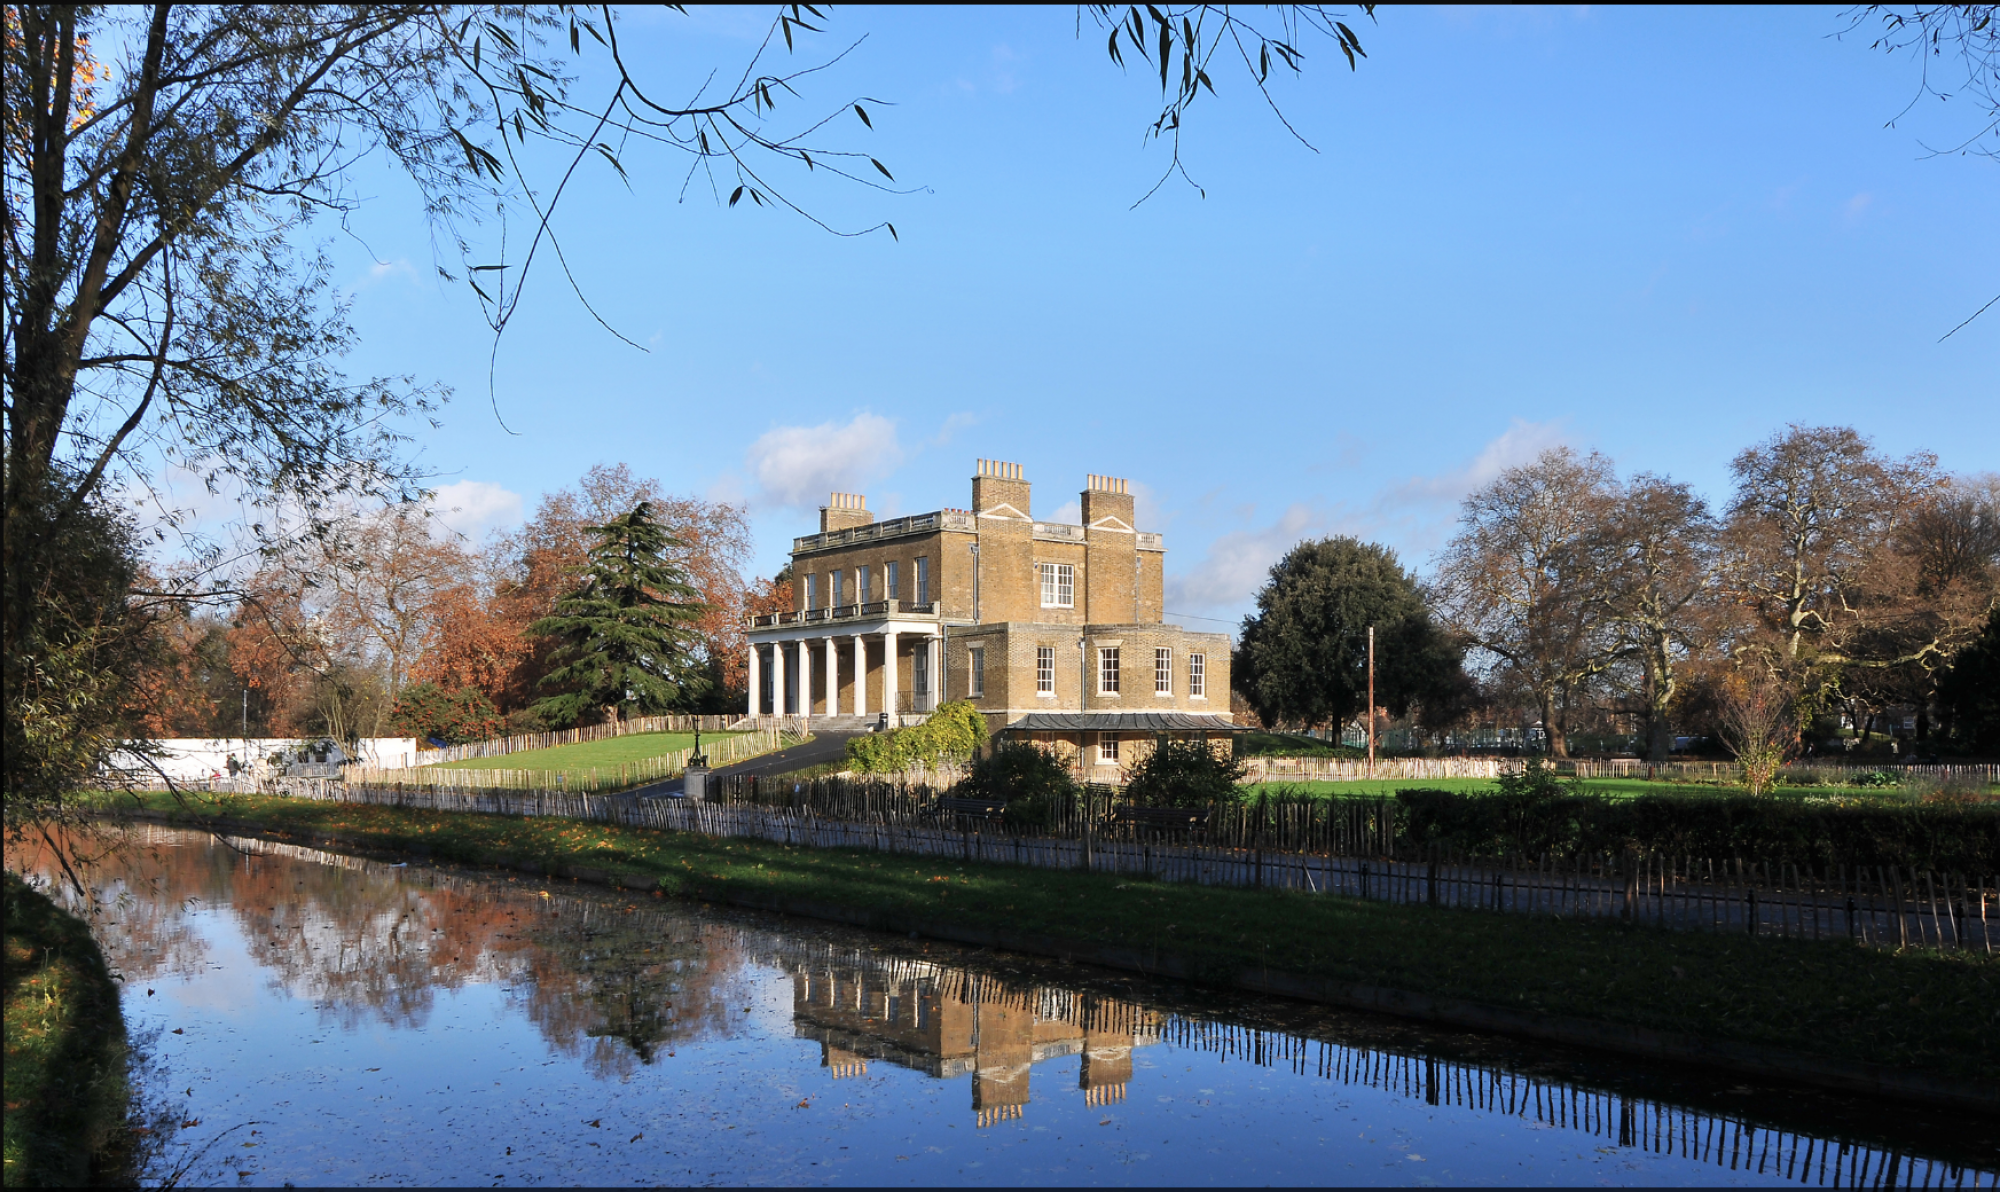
column 850, row 660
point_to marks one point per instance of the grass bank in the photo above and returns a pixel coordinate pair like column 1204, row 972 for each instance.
column 1615, row 788
column 611, row 751
column 1925, row 1011
column 67, row 1094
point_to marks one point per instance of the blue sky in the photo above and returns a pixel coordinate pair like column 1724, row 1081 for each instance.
column 1661, row 234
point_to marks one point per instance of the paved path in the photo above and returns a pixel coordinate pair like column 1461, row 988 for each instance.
column 822, row 748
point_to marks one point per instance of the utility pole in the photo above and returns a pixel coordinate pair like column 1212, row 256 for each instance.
column 1371, row 701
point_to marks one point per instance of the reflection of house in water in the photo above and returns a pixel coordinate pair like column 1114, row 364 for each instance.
column 949, row 1022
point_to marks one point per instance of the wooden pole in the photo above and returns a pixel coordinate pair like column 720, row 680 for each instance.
column 1371, row 701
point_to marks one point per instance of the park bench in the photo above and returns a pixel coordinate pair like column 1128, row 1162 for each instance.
column 975, row 808
column 1168, row 818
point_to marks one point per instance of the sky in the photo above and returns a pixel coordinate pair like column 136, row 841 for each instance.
column 1662, row 234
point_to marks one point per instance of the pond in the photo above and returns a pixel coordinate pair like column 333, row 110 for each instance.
column 315, row 1018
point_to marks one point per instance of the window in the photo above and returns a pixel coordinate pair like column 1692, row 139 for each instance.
column 833, row 589
column 920, row 671
column 923, row 579
column 892, row 581
column 1107, row 748
column 979, row 670
column 1058, row 585
column 861, row 575
column 1107, row 670
column 1163, row 671
column 1197, row 676
column 812, row 591
column 1045, row 670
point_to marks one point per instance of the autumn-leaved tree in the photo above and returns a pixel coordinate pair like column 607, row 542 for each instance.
column 625, row 639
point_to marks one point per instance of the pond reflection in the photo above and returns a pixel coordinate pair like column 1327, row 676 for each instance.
column 328, row 1019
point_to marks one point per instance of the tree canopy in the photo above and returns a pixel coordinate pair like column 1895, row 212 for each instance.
column 626, row 637
column 1303, row 656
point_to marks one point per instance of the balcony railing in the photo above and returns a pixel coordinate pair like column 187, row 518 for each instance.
column 916, row 523
column 846, row 612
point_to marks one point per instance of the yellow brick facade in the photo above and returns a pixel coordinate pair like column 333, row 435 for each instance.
column 1006, row 585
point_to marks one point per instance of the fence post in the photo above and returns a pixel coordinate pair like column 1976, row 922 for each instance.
column 1630, row 909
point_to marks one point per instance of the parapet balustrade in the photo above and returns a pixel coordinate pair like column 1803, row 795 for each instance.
column 846, row 612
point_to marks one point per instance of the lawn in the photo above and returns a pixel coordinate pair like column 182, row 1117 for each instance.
column 1922, row 1009
column 611, row 751
column 65, row 1046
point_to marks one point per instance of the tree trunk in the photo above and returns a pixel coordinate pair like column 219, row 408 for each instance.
column 1552, row 732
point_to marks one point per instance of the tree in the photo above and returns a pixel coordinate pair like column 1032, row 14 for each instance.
column 429, row 712
column 1519, row 580
column 626, row 637
column 1654, row 554
column 1303, row 656
column 1809, row 556
column 1969, row 692
column 166, row 303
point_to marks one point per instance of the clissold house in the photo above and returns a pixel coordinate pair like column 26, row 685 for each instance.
column 1056, row 632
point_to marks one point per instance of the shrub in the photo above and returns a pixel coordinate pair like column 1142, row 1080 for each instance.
column 1184, row 774
column 1031, row 781
column 428, row 711
column 1942, row 834
column 949, row 735
column 1876, row 779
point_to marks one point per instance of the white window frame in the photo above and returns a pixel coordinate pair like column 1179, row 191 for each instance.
column 892, row 581
column 861, row 575
column 1058, row 584
column 1197, row 676
column 923, row 579
column 920, row 671
column 1107, row 749
column 977, row 665
column 812, row 591
column 833, row 589
column 1045, row 671
column 1107, row 670
column 1163, row 671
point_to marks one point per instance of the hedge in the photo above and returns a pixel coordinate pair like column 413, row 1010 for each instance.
column 1942, row 834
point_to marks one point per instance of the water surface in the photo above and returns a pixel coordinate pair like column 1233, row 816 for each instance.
column 322, row 1019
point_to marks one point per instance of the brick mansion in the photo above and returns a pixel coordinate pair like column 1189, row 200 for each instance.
column 1055, row 632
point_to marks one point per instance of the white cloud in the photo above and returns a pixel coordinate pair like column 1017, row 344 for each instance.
column 475, row 508
column 798, row 466
column 1517, row 445
column 1237, row 563
column 1412, row 516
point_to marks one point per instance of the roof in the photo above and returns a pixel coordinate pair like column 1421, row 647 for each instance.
column 1127, row 722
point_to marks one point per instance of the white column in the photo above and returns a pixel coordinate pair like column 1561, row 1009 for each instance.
column 832, row 676
column 889, row 674
column 860, row 675
column 938, row 693
column 756, row 678
column 805, row 681
column 777, row 678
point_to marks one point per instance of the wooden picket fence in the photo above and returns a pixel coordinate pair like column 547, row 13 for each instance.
column 1349, row 849
column 721, row 751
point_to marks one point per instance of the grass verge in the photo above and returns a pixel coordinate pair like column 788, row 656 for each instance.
column 611, row 751
column 67, row 1093
column 1922, row 1010
column 1615, row 788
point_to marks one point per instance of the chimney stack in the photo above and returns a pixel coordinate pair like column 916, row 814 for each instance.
column 843, row 511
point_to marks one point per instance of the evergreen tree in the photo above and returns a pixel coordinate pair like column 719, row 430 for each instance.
column 627, row 636
column 1303, row 656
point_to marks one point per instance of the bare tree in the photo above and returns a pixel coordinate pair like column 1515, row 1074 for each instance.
column 1520, row 582
column 1757, row 724
column 1810, row 559
column 1654, row 552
